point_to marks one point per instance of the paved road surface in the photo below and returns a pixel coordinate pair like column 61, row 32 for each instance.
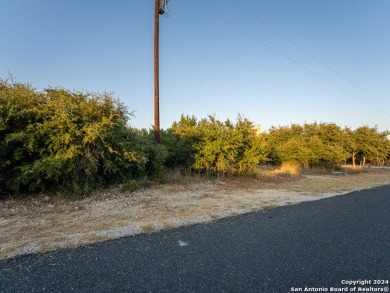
column 313, row 244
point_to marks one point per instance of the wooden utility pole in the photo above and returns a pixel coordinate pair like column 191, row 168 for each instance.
column 156, row 73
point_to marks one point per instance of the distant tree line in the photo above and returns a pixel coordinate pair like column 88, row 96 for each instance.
column 212, row 145
column 73, row 142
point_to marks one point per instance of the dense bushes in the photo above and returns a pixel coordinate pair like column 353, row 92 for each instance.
column 310, row 145
column 71, row 142
column 218, row 147
column 326, row 145
column 224, row 147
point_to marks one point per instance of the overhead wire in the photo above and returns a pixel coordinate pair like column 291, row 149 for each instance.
column 307, row 52
column 285, row 56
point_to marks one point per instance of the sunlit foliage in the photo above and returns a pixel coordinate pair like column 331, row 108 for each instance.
column 64, row 141
column 58, row 140
column 219, row 147
column 326, row 145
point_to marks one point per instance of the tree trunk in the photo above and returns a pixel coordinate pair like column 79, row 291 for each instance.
column 353, row 158
column 364, row 161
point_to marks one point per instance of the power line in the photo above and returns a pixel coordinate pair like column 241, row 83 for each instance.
column 306, row 51
column 285, row 56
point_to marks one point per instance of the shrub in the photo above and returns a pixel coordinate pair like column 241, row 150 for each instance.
column 130, row 186
column 310, row 145
column 58, row 140
column 180, row 141
column 219, row 147
column 155, row 156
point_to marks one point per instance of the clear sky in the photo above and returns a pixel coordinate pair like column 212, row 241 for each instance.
column 215, row 57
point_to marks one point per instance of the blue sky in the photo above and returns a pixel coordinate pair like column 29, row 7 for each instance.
column 215, row 58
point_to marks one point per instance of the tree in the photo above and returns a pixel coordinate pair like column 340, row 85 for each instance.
column 221, row 147
column 58, row 140
column 371, row 143
column 310, row 145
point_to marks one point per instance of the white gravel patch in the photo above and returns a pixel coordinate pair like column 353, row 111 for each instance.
column 120, row 232
column 27, row 249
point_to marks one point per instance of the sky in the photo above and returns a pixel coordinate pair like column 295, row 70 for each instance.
column 276, row 62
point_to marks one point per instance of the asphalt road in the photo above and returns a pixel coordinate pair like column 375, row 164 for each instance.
column 314, row 244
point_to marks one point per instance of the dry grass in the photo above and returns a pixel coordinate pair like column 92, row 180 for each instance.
column 353, row 169
column 43, row 223
column 287, row 169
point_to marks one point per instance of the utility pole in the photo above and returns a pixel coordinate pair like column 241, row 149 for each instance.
column 158, row 9
column 156, row 72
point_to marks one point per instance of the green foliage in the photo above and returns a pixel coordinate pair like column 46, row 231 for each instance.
column 325, row 144
column 154, row 154
column 130, row 186
column 70, row 142
column 310, row 145
column 180, row 141
column 372, row 145
column 219, row 147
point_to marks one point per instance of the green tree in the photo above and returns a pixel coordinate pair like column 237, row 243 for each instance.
column 310, row 145
column 58, row 140
column 180, row 141
column 219, row 147
column 371, row 143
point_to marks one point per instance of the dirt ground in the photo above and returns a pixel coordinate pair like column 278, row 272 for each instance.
column 43, row 223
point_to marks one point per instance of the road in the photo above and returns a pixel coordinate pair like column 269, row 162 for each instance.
column 313, row 244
